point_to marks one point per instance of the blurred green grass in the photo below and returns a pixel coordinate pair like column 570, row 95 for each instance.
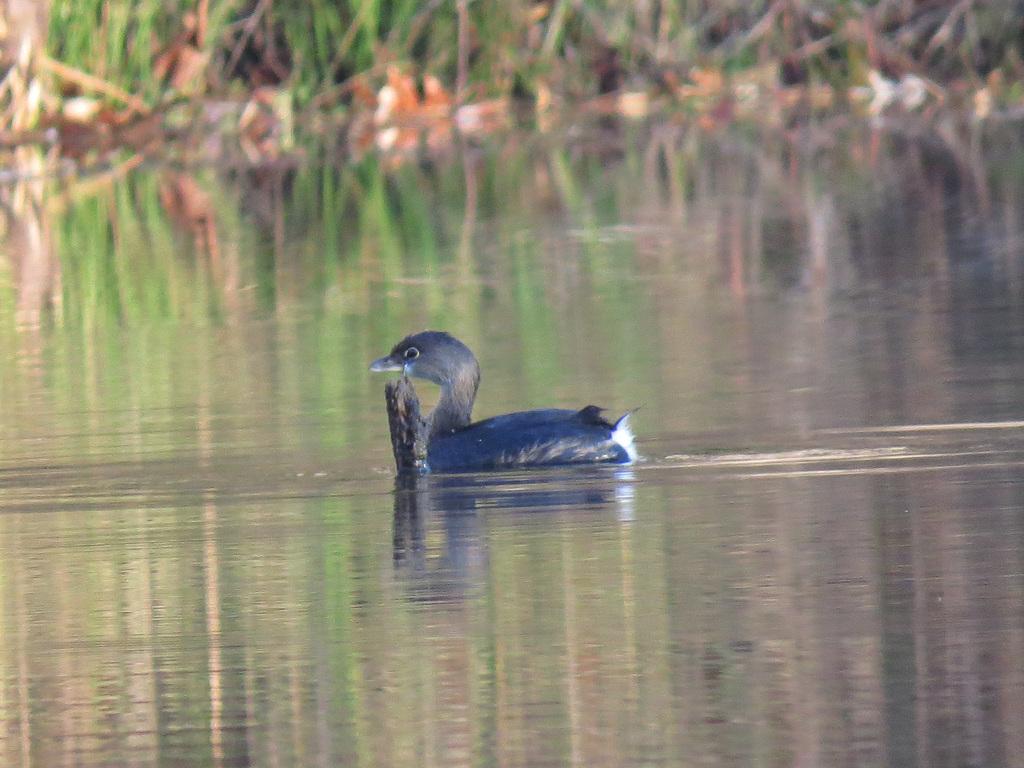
column 575, row 49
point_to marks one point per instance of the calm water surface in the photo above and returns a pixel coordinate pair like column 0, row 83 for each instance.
column 206, row 559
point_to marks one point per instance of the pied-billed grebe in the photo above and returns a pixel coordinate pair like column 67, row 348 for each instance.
column 546, row 437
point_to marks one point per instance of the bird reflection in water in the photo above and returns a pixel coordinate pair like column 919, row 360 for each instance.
column 458, row 507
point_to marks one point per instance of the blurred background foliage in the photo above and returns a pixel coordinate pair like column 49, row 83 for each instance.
column 571, row 47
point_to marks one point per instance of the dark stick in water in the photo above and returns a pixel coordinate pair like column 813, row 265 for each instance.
column 409, row 431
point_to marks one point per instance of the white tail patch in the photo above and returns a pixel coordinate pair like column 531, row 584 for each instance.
column 623, row 435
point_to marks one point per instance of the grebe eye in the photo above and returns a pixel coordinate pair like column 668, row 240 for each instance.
column 411, row 353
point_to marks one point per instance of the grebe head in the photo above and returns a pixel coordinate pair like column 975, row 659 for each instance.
column 441, row 358
column 433, row 355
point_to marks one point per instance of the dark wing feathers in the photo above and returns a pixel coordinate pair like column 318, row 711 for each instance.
column 546, row 437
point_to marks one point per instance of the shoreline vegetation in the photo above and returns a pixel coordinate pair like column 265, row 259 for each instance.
column 83, row 78
column 289, row 150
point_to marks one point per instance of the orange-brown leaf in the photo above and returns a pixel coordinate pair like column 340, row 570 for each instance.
column 405, row 90
column 708, row 80
column 361, row 93
column 436, row 100
column 189, row 68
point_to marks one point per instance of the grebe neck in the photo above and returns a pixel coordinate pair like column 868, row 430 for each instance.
column 454, row 409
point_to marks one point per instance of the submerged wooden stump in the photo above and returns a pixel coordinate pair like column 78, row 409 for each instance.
column 409, row 431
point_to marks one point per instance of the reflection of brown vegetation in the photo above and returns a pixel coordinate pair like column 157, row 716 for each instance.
column 190, row 207
column 35, row 270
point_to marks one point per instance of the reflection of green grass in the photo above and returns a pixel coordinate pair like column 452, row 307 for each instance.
column 367, row 254
column 124, row 260
column 366, row 241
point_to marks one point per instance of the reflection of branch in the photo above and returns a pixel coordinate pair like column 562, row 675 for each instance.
column 91, row 186
column 407, row 537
